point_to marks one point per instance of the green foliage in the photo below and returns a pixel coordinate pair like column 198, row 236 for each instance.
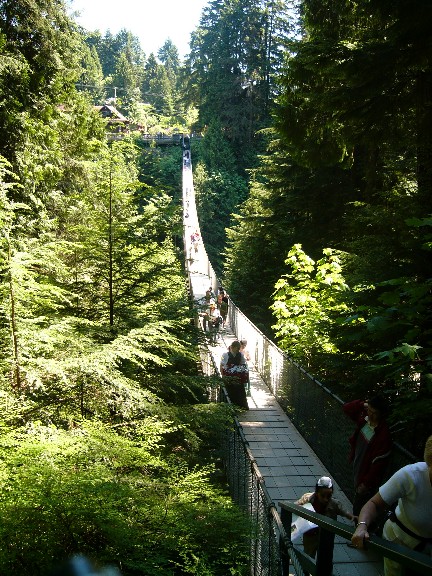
column 159, row 169
column 305, row 301
column 107, row 439
column 377, row 336
column 248, row 241
column 235, row 54
column 148, row 91
column 287, row 204
column 218, row 195
column 39, row 65
column 104, row 457
column 112, row 497
column 349, row 168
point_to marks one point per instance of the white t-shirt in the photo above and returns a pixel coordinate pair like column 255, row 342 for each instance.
column 411, row 486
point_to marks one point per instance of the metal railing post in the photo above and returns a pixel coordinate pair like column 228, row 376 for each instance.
column 324, row 561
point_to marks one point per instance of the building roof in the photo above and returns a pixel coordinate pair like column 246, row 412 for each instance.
column 112, row 113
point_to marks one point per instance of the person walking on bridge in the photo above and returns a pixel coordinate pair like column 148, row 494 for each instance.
column 209, row 296
column 223, row 306
column 370, row 447
column 214, row 322
column 233, row 365
column 322, row 501
column 195, row 238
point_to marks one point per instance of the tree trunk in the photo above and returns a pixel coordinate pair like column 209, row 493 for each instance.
column 16, row 371
column 110, row 248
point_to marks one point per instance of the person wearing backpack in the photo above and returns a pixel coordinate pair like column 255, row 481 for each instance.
column 233, row 365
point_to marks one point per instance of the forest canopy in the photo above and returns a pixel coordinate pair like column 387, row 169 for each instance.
column 336, row 228
column 109, row 445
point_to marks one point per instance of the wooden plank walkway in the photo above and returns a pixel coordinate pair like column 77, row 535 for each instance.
column 289, row 466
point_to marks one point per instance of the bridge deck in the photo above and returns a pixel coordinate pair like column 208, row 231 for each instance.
column 287, row 463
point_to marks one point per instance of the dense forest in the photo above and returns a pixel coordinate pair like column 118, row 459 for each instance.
column 313, row 181
column 109, row 445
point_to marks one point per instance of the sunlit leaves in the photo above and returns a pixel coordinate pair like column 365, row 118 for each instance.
column 305, row 301
column 93, row 490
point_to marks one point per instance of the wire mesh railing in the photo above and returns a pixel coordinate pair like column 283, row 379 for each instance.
column 314, row 410
column 271, row 551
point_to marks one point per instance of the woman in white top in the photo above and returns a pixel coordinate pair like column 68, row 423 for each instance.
column 411, row 525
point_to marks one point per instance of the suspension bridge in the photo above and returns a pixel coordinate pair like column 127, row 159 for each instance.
column 293, row 433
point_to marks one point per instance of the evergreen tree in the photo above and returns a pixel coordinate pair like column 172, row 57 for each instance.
column 232, row 61
column 348, row 170
column 39, row 64
column 91, row 80
column 169, row 56
column 95, row 328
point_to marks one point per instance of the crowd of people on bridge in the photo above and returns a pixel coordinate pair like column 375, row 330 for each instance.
column 234, row 362
column 214, row 317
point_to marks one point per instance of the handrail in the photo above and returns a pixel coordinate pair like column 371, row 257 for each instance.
column 286, row 552
column 409, row 558
column 265, row 515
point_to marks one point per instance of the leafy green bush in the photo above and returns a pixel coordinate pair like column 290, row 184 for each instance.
column 115, row 499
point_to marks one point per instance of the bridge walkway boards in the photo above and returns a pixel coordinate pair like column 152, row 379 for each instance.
column 287, row 463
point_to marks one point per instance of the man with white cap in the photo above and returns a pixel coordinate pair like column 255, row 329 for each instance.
column 323, row 503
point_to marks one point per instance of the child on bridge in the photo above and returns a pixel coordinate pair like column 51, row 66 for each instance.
column 322, row 501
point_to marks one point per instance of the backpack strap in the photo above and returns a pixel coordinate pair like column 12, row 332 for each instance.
column 402, row 526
